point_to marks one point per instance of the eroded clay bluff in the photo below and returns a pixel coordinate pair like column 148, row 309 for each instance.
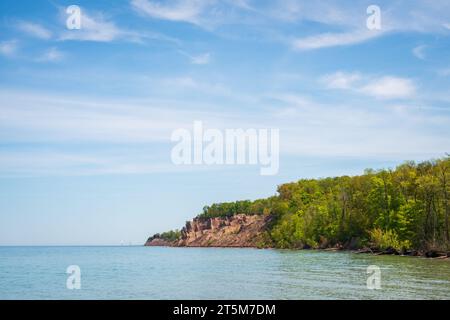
column 236, row 231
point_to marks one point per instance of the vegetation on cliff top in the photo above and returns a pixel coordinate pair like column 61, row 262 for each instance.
column 403, row 208
column 170, row 236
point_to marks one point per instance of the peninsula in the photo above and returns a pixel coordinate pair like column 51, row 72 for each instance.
column 401, row 211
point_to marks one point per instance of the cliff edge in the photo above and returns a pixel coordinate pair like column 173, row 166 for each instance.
column 236, row 231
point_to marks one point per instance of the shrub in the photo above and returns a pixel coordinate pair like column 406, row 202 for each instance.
column 387, row 239
column 171, row 235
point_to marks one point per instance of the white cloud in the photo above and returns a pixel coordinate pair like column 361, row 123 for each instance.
column 419, row 52
column 266, row 17
column 78, row 136
column 175, row 10
column 8, row 48
column 244, row 4
column 396, row 16
column 386, row 87
column 201, row 59
column 51, row 55
column 93, row 136
column 312, row 128
column 34, row 29
column 53, row 118
column 97, row 28
column 207, row 14
column 325, row 40
column 341, row 80
column 189, row 83
column 417, row 16
column 399, row 15
column 324, row 12
column 390, row 88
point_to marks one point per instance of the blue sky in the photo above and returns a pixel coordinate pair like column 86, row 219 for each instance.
column 86, row 115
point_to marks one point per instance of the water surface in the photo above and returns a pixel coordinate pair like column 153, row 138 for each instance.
column 215, row 273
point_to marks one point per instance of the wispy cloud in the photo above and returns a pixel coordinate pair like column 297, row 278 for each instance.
column 396, row 16
column 207, row 14
column 94, row 28
column 341, row 80
column 54, row 118
column 271, row 18
column 244, row 4
column 330, row 13
column 326, row 40
column 203, row 58
column 385, row 87
column 78, row 136
column 390, row 88
column 8, row 48
column 175, row 10
column 189, row 83
column 51, row 55
column 314, row 128
column 419, row 52
column 34, row 30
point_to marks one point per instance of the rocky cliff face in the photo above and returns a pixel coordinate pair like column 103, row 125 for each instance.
column 236, row 231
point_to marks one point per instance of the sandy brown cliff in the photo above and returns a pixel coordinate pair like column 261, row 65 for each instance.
column 236, row 231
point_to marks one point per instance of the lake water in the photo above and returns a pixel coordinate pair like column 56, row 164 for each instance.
column 215, row 273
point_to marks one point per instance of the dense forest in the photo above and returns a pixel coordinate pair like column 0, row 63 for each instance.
column 405, row 208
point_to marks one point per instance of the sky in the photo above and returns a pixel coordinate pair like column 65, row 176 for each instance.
column 86, row 115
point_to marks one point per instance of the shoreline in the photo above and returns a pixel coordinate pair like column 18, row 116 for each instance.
column 432, row 255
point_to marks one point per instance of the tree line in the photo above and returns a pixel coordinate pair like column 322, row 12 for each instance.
column 405, row 208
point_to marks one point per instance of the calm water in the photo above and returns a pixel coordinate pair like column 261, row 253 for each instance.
column 210, row 273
